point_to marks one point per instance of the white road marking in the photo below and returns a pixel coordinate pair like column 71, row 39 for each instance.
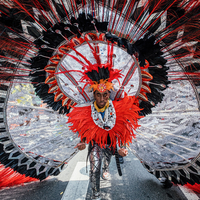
column 104, row 187
column 78, row 183
column 190, row 195
column 105, row 183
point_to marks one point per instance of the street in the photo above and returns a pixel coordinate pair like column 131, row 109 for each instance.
column 73, row 184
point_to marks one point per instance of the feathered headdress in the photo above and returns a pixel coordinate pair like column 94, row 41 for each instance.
column 98, row 75
column 37, row 36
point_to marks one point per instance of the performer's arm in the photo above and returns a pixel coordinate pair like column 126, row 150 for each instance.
column 81, row 145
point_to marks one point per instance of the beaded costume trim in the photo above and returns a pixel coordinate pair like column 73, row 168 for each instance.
column 109, row 118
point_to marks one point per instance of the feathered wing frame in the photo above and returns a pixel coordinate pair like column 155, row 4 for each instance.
column 36, row 38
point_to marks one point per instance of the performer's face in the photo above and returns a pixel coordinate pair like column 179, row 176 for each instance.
column 101, row 98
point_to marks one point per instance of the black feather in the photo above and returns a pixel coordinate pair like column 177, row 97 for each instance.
column 97, row 76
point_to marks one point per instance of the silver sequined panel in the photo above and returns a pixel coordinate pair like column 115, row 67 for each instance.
column 36, row 128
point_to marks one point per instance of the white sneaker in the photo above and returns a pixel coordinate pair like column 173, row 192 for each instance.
column 106, row 176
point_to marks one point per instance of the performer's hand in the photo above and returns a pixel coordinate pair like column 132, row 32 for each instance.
column 123, row 152
column 80, row 146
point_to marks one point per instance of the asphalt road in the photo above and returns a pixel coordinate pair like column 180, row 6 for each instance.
column 135, row 184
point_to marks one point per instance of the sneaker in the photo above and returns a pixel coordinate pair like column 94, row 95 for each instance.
column 106, row 175
column 96, row 196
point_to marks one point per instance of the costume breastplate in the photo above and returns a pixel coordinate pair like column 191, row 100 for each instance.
column 109, row 118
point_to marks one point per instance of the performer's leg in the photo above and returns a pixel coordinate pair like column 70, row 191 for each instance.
column 107, row 154
column 95, row 158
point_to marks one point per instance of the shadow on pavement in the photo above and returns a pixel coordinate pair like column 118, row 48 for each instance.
column 49, row 189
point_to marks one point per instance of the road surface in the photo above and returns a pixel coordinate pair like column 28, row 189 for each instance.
column 73, row 184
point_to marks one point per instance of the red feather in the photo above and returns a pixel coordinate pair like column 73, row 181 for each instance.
column 126, row 121
column 10, row 178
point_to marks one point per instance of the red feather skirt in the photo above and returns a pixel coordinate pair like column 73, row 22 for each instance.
column 126, row 121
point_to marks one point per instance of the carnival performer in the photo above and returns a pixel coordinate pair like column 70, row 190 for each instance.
column 96, row 153
column 104, row 124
